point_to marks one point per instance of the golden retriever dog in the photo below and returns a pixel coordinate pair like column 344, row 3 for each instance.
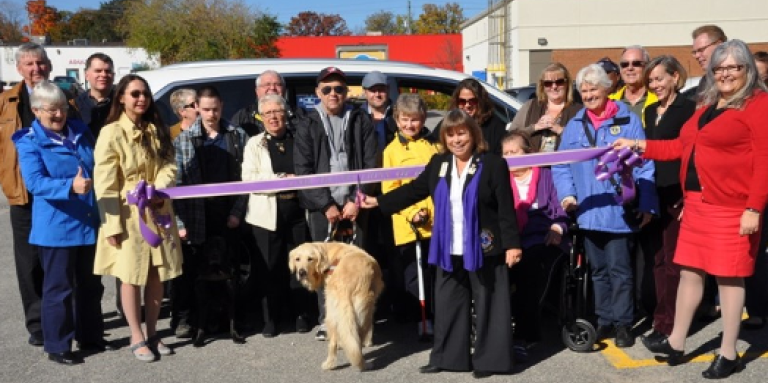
column 352, row 282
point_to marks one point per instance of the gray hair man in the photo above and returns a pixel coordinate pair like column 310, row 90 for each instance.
column 634, row 93
column 248, row 118
column 184, row 104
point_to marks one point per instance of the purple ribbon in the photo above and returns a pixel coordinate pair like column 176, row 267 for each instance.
column 141, row 196
column 361, row 176
column 619, row 162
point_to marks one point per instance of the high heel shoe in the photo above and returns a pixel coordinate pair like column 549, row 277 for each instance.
column 722, row 368
column 662, row 346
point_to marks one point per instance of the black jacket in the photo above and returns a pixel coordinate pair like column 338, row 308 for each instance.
column 495, row 202
column 312, row 154
column 668, row 128
column 246, row 119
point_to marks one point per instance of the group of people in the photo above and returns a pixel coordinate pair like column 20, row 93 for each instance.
column 487, row 233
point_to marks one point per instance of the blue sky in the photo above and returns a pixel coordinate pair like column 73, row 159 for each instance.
column 353, row 11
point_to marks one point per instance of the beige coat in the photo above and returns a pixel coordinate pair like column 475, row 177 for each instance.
column 121, row 163
column 257, row 166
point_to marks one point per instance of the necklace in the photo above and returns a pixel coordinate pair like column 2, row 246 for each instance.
column 279, row 144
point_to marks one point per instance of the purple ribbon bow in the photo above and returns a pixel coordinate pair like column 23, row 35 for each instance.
column 141, row 196
column 619, row 162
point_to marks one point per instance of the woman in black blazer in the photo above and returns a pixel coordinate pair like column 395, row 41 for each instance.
column 665, row 76
column 474, row 240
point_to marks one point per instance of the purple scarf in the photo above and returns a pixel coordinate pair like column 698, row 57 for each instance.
column 442, row 232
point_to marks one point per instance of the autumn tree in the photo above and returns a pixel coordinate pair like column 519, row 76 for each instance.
column 11, row 21
column 191, row 30
column 266, row 30
column 96, row 25
column 42, row 17
column 381, row 21
column 436, row 19
column 317, row 24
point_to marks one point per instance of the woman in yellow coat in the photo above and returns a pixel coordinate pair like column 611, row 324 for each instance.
column 413, row 145
column 135, row 146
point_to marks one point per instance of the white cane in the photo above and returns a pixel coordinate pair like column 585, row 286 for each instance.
column 419, row 273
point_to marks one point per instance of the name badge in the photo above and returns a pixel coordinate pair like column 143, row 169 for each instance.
column 443, row 169
column 615, row 130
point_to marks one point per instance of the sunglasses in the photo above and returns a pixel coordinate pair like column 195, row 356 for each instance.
column 338, row 89
column 137, row 93
column 470, row 101
column 191, row 105
column 635, row 64
column 549, row 83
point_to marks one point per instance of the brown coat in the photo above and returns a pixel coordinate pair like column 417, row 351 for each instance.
column 10, row 122
column 121, row 163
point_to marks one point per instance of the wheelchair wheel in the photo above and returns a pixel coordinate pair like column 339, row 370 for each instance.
column 579, row 336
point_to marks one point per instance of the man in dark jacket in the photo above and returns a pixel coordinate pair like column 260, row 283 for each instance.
column 335, row 137
column 94, row 104
column 248, row 118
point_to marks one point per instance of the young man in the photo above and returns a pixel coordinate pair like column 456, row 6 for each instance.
column 335, row 137
column 94, row 104
column 210, row 151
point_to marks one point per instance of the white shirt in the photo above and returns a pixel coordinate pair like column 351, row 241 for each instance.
column 457, row 206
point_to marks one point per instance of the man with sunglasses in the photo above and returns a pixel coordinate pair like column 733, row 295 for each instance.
column 705, row 39
column 634, row 93
column 335, row 137
column 248, row 118
column 94, row 104
column 185, row 107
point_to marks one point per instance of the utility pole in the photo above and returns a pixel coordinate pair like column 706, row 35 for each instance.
column 408, row 20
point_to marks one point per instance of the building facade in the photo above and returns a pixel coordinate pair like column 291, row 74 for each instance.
column 514, row 39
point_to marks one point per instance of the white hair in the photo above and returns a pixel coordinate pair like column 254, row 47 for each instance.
column 593, row 74
column 272, row 98
column 646, row 56
column 47, row 93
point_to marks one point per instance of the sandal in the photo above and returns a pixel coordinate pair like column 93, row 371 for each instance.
column 156, row 343
column 150, row 357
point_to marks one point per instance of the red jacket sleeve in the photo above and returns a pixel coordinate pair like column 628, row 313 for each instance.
column 757, row 119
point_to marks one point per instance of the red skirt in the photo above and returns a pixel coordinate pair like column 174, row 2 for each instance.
column 709, row 239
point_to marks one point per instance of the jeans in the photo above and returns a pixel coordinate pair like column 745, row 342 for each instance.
column 609, row 260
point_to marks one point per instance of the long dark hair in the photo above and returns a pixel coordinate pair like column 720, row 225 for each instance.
column 151, row 116
column 484, row 106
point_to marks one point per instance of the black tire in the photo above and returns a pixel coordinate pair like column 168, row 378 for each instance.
column 580, row 336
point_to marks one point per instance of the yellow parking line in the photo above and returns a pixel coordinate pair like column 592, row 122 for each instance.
column 620, row 360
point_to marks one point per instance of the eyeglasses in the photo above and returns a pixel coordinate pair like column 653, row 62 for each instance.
column 634, row 63
column 191, row 105
column 701, row 50
column 721, row 70
column 137, row 93
column 549, row 83
column 275, row 113
column 271, row 85
column 53, row 110
column 338, row 89
column 471, row 101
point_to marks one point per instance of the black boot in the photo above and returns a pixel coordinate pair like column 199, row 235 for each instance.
column 722, row 368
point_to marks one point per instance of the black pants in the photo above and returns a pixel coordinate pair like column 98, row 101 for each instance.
column 29, row 271
column 757, row 285
column 404, row 278
column 455, row 293
column 276, row 285
column 528, row 279
column 183, row 304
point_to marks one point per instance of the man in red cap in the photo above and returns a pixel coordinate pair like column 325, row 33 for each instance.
column 335, row 137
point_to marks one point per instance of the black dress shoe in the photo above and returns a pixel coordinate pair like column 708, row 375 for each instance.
column 98, row 346
column 66, row 358
column 722, row 368
column 624, row 337
column 654, row 336
column 429, row 369
column 674, row 357
column 270, row 330
column 478, row 374
column 35, row 340
column 604, row 331
column 753, row 323
column 302, row 324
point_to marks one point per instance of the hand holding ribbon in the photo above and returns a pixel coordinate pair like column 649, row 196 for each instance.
column 145, row 199
column 619, row 161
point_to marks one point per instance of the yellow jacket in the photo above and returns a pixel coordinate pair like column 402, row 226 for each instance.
column 649, row 99
column 121, row 163
column 406, row 152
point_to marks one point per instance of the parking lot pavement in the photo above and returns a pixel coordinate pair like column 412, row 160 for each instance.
column 296, row 358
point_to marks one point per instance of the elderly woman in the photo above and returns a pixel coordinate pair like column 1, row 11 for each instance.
column 723, row 150
column 135, row 145
column 471, row 97
column 608, row 225
column 544, row 117
column 542, row 223
column 278, row 221
column 474, row 240
column 56, row 159
column 413, row 145
column 184, row 105
column 665, row 76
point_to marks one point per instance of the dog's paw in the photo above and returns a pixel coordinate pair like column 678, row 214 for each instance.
column 367, row 366
column 368, row 343
column 328, row 365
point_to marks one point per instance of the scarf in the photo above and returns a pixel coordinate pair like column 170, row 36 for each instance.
column 610, row 110
column 442, row 232
column 524, row 203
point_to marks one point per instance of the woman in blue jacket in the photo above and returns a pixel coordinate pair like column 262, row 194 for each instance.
column 56, row 159
column 607, row 223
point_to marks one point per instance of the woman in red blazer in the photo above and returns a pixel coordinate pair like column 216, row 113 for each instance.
column 724, row 155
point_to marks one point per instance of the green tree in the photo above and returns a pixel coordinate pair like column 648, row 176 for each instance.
column 436, row 19
column 381, row 21
column 192, row 30
column 266, row 30
column 96, row 25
